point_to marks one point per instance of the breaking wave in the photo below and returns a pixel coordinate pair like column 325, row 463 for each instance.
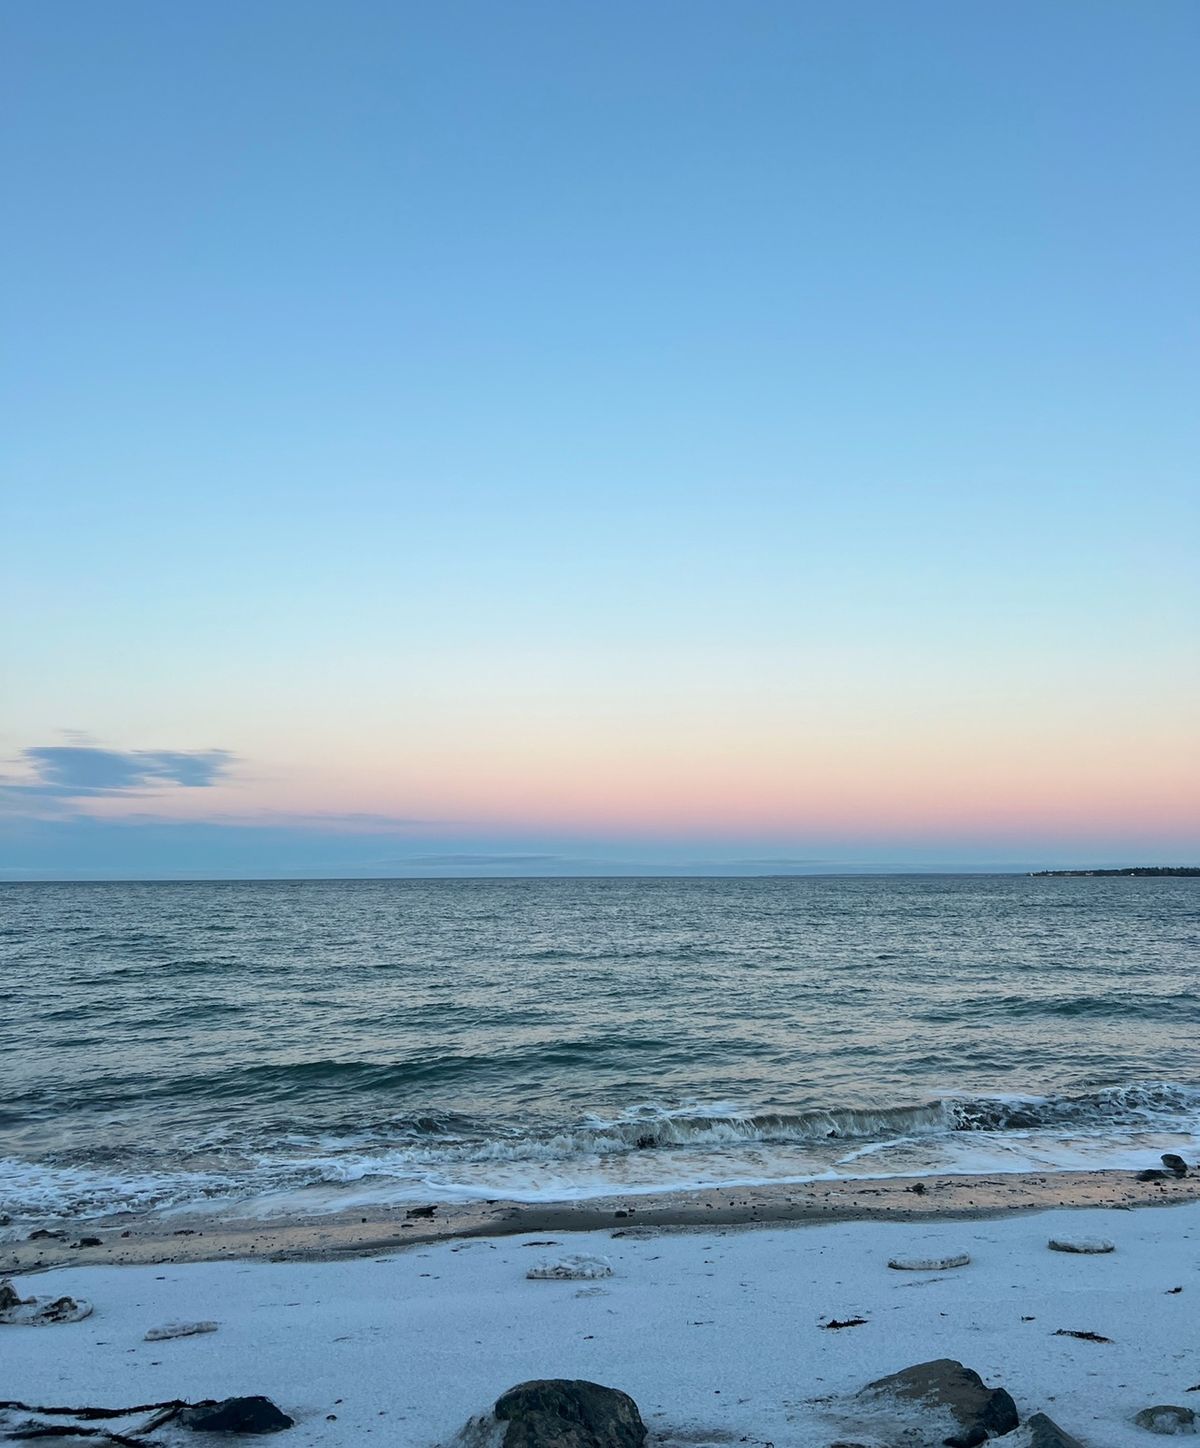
column 648, row 1147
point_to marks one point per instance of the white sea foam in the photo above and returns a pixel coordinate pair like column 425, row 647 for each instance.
column 564, row 1166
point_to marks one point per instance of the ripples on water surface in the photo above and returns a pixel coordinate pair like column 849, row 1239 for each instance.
column 317, row 1045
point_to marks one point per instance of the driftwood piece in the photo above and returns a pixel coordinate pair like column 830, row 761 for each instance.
column 163, row 1413
column 73, row 1430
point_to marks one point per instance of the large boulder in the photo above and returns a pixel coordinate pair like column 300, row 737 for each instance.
column 569, row 1413
column 1044, row 1432
column 979, row 1411
column 1167, row 1418
column 235, row 1415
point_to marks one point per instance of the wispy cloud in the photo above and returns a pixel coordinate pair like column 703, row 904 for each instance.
column 79, row 771
column 474, row 861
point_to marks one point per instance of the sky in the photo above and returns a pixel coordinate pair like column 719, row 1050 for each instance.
column 558, row 438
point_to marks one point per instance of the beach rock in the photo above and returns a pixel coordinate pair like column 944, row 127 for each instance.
column 178, row 1329
column 235, row 1415
column 571, row 1269
column 1090, row 1246
column 8, row 1296
column 1167, row 1418
column 929, row 1264
column 980, row 1412
column 569, row 1413
column 1174, row 1163
column 1152, row 1174
column 1044, row 1432
column 44, row 1234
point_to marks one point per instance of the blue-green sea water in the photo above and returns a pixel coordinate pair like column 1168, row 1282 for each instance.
column 296, row 1047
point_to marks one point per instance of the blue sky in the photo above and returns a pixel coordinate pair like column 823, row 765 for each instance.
column 666, row 434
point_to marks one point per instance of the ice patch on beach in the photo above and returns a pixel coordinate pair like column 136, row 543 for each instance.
column 574, row 1267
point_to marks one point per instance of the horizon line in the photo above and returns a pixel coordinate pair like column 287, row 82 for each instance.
column 1081, row 871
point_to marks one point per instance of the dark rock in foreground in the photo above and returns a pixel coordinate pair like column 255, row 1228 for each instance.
column 236, row 1415
column 1045, row 1433
column 1174, row 1163
column 569, row 1413
column 981, row 1412
column 1167, row 1418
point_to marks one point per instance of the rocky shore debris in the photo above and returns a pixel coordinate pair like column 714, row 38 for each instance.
column 834, row 1323
column 1173, row 1168
column 929, row 1264
column 1044, row 1432
column 568, row 1413
column 235, row 1415
column 18, row 1311
column 425, row 1212
column 574, row 1413
column 1167, row 1418
column 1082, row 1336
column 229, row 1415
column 980, row 1412
column 1086, row 1246
column 178, row 1329
column 573, row 1268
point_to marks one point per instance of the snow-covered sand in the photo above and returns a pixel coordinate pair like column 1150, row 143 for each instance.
column 717, row 1334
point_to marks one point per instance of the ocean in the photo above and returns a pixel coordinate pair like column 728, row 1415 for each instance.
column 262, row 1048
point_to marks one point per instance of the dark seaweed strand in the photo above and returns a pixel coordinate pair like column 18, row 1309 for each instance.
column 72, row 1430
column 91, row 1413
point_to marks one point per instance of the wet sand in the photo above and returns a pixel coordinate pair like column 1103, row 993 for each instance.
column 908, row 1199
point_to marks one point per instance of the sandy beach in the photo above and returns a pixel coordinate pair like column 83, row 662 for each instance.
column 181, row 1237
column 719, row 1329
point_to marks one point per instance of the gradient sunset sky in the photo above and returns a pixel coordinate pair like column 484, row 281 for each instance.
column 575, row 438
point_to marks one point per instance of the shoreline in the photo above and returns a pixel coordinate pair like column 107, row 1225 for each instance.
column 353, row 1233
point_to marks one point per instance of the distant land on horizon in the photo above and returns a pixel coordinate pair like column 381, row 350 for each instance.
column 1138, row 870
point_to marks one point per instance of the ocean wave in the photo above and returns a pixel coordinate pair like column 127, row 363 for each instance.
column 647, row 1147
column 1121, row 1006
column 300, row 1080
column 1140, row 1104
